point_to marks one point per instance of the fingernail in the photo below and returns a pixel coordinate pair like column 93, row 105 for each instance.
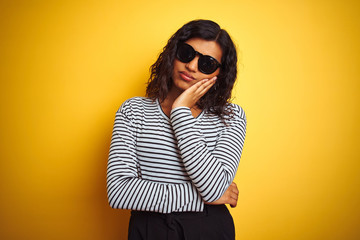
column 214, row 78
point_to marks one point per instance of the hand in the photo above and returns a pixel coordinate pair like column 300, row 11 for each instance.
column 191, row 95
column 230, row 196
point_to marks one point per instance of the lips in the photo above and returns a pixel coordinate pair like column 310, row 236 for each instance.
column 186, row 76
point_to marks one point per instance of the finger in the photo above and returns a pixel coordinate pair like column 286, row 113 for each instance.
column 201, row 84
column 234, row 199
column 201, row 90
column 234, row 188
column 208, row 82
column 197, row 85
column 234, row 196
column 205, row 87
column 233, row 203
column 236, row 192
column 205, row 81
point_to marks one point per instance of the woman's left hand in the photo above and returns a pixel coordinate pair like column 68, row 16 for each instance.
column 230, row 196
column 191, row 95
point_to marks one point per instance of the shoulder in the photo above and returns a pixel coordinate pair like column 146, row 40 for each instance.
column 236, row 112
column 137, row 108
column 133, row 104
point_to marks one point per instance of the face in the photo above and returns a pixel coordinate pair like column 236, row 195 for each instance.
column 187, row 74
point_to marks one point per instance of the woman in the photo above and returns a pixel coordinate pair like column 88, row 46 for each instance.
column 174, row 154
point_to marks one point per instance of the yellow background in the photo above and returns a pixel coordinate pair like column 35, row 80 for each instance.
column 66, row 66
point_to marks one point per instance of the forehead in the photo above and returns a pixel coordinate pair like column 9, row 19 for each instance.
column 206, row 47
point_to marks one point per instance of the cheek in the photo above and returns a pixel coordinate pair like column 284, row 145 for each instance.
column 216, row 73
column 206, row 76
column 177, row 64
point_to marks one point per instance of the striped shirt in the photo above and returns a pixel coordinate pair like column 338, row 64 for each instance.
column 175, row 164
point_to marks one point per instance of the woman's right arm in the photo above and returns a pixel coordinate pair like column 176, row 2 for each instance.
column 126, row 189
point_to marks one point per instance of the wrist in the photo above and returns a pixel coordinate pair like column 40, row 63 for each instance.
column 178, row 105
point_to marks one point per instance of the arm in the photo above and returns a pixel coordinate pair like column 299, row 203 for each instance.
column 125, row 188
column 211, row 172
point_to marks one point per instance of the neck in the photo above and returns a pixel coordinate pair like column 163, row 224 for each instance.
column 171, row 97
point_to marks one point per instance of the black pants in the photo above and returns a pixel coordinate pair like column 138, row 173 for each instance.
column 214, row 223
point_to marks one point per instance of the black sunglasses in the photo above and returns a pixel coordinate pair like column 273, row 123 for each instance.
column 206, row 64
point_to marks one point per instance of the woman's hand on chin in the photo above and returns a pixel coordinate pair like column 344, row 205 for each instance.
column 191, row 95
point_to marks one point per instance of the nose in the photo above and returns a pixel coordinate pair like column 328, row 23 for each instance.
column 192, row 65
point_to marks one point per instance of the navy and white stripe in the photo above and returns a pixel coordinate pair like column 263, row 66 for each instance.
column 163, row 164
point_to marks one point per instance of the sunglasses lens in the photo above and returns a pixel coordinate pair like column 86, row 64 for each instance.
column 207, row 64
column 185, row 53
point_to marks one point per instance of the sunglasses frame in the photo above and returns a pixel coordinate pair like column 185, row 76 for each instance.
column 201, row 56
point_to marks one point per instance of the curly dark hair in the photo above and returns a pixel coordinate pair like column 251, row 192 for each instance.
column 216, row 99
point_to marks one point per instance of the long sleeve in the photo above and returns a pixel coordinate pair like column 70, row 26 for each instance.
column 125, row 187
column 210, row 171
